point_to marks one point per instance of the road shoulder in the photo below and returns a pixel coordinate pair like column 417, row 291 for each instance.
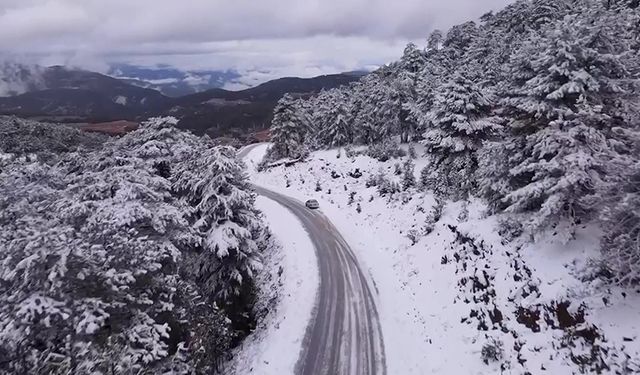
column 273, row 349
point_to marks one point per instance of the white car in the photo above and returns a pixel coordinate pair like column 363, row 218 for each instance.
column 312, row 204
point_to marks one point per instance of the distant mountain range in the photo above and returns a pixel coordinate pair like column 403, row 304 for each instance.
column 223, row 112
column 173, row 82
column 57, row 91
column 71, row 95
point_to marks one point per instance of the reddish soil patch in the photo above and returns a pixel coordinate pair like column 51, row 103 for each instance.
column 262, row 136
column 111, row 128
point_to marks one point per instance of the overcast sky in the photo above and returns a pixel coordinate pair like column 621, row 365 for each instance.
column 268, row 37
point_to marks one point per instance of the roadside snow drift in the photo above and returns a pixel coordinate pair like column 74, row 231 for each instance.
column 293, row 282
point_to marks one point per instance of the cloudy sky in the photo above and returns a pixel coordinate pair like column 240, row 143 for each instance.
column 264, row 37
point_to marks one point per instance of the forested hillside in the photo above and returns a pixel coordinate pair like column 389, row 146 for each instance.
column 535, row 109
column 121, row 256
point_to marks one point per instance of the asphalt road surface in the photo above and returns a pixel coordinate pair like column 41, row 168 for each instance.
column 343, row 336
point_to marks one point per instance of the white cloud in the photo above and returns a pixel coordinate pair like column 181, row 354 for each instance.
column 277, row 35
column 34, row 23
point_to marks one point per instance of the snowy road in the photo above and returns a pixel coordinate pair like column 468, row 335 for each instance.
column 344, row 335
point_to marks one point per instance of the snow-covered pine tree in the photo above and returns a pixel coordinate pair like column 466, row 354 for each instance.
column 544, row 12
column 484, row 59
column 22, row 137
column 621, row 211
column 356, row 104
column 130, row 210
column 622, row 4
column 460, row 124
column 559, row 125
column 459, row 38
column 216, row 187
column 313, row 112
column 412, row 59
column 408, row 174
column 368, row 125
column 434, row 41
column 498, row 36
column 432, row 75
column 304, row 109
column 337, row 128
column 621, row 206
column 511, row 19
column 411, row 64
column 383, row 108
column 98, row 252
column 288, row 129
column 159, row 140
column 91, row 265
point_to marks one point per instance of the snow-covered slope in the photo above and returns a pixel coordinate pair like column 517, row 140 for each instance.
column 454, row 293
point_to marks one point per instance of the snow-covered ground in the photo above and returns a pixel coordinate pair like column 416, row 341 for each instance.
column 446, row 293
column 122, row 100
column 290, row 288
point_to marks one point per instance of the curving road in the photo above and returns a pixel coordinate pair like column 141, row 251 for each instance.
column 344, row 335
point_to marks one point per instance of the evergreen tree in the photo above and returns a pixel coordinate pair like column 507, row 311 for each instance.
column 545, row 12
column 22, row 137
column 424, row 181
column 408, row 176
column 101, row 257
column 460, row 124
column 379, row 114
column 411, row 64
column 337, row 128
column 459, row 38
column 216, row 187
column 428, row 81
column 413, row 59
column 434, row 41
column 621, row 215
column 559, row 121
column 287, row 130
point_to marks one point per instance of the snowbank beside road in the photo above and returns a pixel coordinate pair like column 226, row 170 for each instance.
column 274, row 347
